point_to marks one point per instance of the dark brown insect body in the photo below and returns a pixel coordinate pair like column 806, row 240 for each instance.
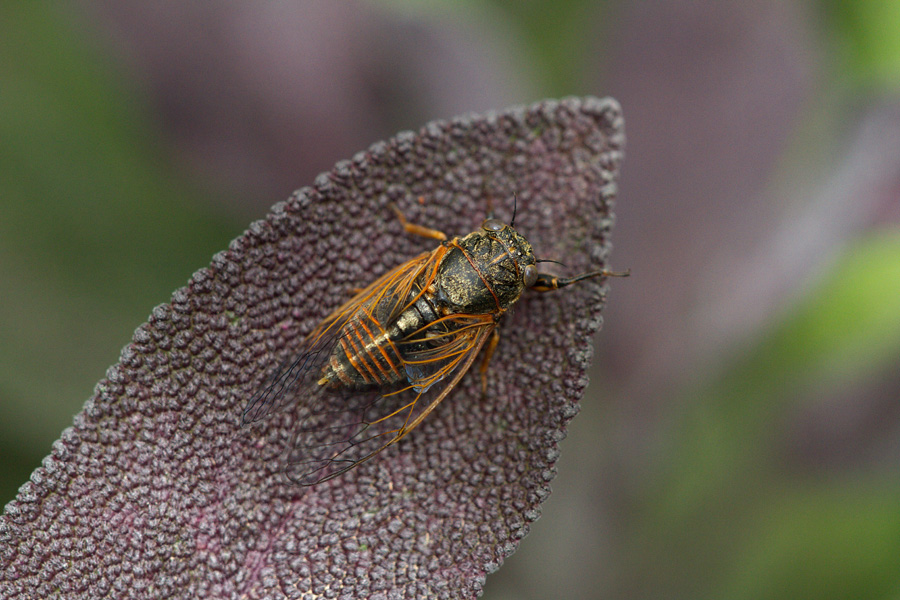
column 481, row 274
column 422, row 323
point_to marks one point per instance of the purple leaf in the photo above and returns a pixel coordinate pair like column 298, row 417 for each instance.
column 156, row 491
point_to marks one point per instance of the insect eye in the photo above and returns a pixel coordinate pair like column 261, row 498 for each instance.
column 529, row 277
column 493, row 225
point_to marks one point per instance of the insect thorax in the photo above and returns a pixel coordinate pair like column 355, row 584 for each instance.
column 483, row 270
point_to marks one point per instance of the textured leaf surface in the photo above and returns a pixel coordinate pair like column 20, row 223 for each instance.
column 157, row 492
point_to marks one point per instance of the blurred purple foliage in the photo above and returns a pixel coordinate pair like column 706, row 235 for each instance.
column 260, row 97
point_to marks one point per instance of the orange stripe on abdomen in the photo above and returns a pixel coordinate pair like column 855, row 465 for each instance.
column 381, row 351
column 377, row 354
column 364, row 356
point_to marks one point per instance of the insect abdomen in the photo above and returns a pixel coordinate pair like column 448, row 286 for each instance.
column 364, row 356
column 366, row 353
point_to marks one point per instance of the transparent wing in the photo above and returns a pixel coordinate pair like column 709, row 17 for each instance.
column 348, row 428
column 432, row 353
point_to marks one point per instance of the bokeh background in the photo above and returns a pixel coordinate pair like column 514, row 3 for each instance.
column 741, row 435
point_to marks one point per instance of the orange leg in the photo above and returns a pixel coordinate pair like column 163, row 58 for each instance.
column 488, row 353
column 420, row 230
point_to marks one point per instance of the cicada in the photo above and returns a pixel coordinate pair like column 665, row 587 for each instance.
column 377, row 366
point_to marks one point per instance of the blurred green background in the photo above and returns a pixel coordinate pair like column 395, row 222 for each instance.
column 741, row 436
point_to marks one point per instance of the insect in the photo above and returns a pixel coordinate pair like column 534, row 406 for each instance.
column 370, row 372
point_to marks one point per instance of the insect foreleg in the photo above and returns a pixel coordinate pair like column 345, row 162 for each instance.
column 548, row 283
column 420, row 230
